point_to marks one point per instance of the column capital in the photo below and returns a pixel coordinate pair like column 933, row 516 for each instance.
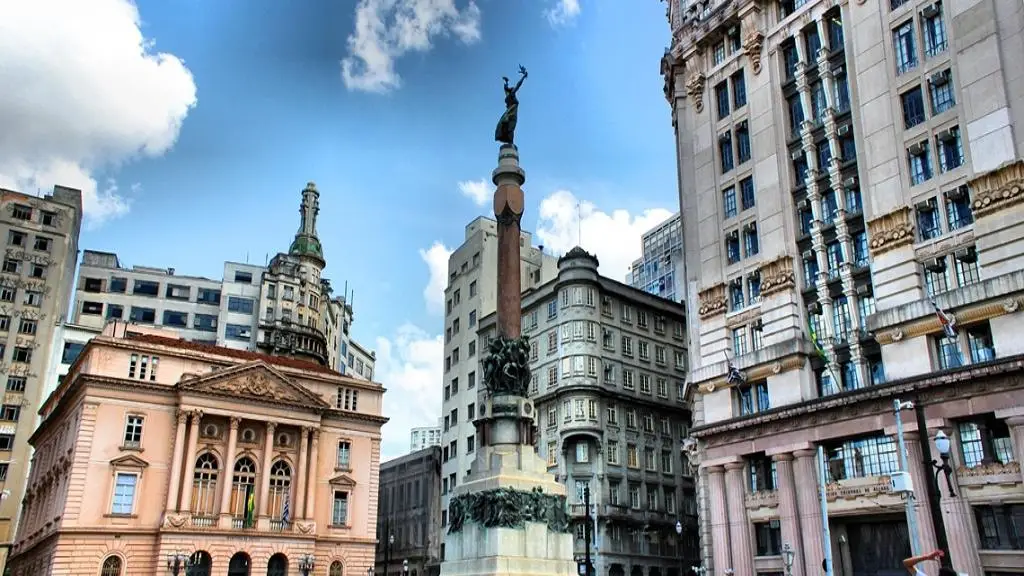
column 718, row 469
column 1015, row 421
column 315, row 436
column 806, row 453
column 235, row 422
column 733, row 466
column 271, row 426
column 910, row 436
column 306, row 432
column 782, row 457
column 182, row 416
column 197, row 415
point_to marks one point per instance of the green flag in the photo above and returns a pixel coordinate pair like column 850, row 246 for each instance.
column 250, row 508
column 821, row 353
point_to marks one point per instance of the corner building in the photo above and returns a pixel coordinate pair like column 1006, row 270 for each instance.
column 608, row 363
column 153, row 445
column 842, row 165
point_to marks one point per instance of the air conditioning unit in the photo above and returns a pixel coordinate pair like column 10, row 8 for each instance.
column 918, row 148
column 796, row 154
column 804, row 204
column 814, row 308
column 969, row 254
column 939, row 78
column 244, row 333
column 949, row 135
column 901, row 483
column 864, row 290
column 935, row 264
column 751, row 226
column 850, row 182
column 924, row 206
column 838, row 70
column 962, row 191
column 843, row 130
column 932, row 10
column 809, row 255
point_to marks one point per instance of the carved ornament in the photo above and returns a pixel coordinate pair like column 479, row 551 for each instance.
column 712, row 301
column 255, row 385
column 695, row 90
column 175, row 521
column 753, row 44
column 761, row 499
column 305, row 527
column 891, row 231
column 998, row 189
column 777, row 276
column 508, row 508
column 990, row 470
column 851, row 490
column 930, row 324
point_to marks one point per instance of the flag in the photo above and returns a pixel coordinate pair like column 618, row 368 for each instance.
column 285, row 510
column 821, row 354
column 250, row 507
column 948, row 324
column 735, row 377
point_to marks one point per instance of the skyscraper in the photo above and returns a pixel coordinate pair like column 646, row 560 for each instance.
column 659, row 270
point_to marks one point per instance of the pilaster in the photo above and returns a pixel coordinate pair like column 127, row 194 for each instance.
column 190, row 462
column 722, row 548
column 958, row 516
column 789, row 519
column 739, row 525
column 809, row 507
column 174, row 474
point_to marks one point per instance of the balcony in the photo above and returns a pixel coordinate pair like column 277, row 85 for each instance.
column 286, row 338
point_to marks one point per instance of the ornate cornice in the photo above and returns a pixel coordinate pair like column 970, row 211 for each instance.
column 757, row 372
column 712, row 301
column 998, row 189
column 966, row 315
column 777, row 276
column 891, row 231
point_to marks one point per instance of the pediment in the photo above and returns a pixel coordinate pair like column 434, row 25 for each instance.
column 254, row 381
column 342, row 480
column 128, row 461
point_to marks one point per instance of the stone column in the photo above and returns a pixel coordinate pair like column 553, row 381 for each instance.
column 300, row 484
column 229, row 468
column 174, row 483
column 190, row 462
column 311, row 478
column 739, row 526
column 268, row 449
column 722, row 551
column 809, row 507
column 508, row 177
column 961, row 534
column 1016, row 424
column 789, row 518
column 922, row 511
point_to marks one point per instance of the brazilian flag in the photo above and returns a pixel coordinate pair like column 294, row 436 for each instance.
column 250, row 508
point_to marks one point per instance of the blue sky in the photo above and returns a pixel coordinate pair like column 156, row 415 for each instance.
column 189, row 176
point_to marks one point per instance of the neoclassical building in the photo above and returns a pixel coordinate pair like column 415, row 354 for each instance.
column 847, row 170
column 243, row 462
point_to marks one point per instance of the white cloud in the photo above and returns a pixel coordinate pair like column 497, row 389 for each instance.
column 613, row 237
column 385, row 30
column 436, row 258
column 410, row 366
column 476, row 190
column 83, row 90
column 563, row 12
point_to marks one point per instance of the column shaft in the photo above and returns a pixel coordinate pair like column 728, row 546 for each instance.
column 311, row 478
column 789, row 518
column 300, row 484
column 809, row 508
column 919, row 477
column 174, row 483
column 739, row 526
column 1016, row 425
column 190, row 462
column 268, row 452
column 228, row 467
column 958, row 517
column 721, row 549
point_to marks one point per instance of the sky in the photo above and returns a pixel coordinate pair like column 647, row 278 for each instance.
column 191, row 127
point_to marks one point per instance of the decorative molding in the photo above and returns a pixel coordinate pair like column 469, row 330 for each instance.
column 891, row 231
column 777, row 276
column 695, row 90
column 753, row 44
column 761, row 499
column 757, row 372
column 712, row 301
column 931, row 325
column 872, row 486
column 999, row 189
column 342, row 480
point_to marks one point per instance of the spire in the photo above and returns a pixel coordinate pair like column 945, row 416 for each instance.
column 306, row 242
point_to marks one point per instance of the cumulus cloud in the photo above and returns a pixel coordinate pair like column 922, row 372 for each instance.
column 436, row 258
column 563, row 12
column 410, row 365
column 613, row 237
column 83, row 89
column 476, row 190
column 385, row 30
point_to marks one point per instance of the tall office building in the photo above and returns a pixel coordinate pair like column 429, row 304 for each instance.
column 659, row 270
column 608, row 368
column 35, row 289
column 360, row 361
column 471, row 294
column 851, row 190
column 425, row 436
column 285, row 308
column 409, row 521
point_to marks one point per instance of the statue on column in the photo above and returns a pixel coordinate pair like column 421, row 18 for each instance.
column 506, row 130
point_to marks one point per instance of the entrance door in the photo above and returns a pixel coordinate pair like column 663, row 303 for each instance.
column 878, row 548
column 239, row 565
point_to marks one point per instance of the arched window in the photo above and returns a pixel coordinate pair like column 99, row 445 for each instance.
column 200, row 564
column 278, row 565
column 335, row 568
column 112, row 566
column 239, row 565
column 243, row 484
column 204, row 485
column 280, row 481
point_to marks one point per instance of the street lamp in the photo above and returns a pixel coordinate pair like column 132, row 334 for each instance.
column 306, row 564
column 178, row 560
column 387, row 552
column 942, row 445
column 787, row 558
column 679, row 545
column 932, row 488
column 405, row 567
column 369, row 571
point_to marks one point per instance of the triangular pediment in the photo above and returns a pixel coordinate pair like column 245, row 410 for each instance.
column 343, row 480
column 253, row 381
column 128, row 461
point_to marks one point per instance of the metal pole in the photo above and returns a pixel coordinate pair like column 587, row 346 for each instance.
column 938, row 523
column 586, row 527
column 915, row 542
column 825, row 532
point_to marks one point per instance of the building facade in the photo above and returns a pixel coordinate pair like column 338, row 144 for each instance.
column 659, row 270
column 409, row 522
column 846, row 170
column 471, row 294
column 608, row 368
column 283, row 308
column 360, row 361
column 35, row 290
column 425, row 437
column 154, row 445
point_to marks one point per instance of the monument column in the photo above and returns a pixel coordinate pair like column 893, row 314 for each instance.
column 809, row 507
column 739, row 526
column 300, row 484
column 190, row 463
column 228, row 472
column 789, row 520
column 268, row 449
column 508, row 211
column 722, row 549
column 175, row 473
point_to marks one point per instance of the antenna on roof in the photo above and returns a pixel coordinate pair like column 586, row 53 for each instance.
column 266, row 259
column 246, row 256
column 346, row 291
column 579, row 223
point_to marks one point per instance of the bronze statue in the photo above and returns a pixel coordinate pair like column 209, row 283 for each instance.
column 506, row 130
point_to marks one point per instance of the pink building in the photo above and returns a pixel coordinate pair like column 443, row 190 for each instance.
column 154, row 446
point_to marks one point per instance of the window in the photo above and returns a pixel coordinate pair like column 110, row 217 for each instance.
column 933, row 29
column 790, row 56
column 864, row 457
column 48, row 218
column 747, row 192
column 146, row 288
column 763, row 474
column 725, row 151
column 243, row 277
column 769, row 538
column 339, row 512
column 118, row 285
column 835, row 31
column 21, row 212
column 612, row 452
column 16, row 238
column 942, row 95
column 237, row 332
column 133, row 431
column 27, row 326
column 979, row 341
column 142, row 315
column 950, row 149
column 1000, row 527
column 919, row 162
column 819, row 103
column 722, row 98
column 208, row 296
column 985, row 440
column 739, row 341
column 240, row 305
column 6, row 445
column 344, row 454
column 12, row 266
column 904, row 47
column 10, row 412
column 743, row 142
column 205, row 322
column 966, row 266
column 175, row 318
column 16, row 383
column 913, row 107
column 739, row 90
column 37, row 271
column 958, row 208
column 719, row 53
column 750, row 241
column 92, row 308
column 732, row 246
column 22, row 354
column 796, row 114
column 112, row 566
column 124, row 493
column 729, row 202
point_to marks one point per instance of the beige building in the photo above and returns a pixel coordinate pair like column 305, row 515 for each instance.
column 41, row 235
column 608, row 366
column 244, row 462
column 844, row 164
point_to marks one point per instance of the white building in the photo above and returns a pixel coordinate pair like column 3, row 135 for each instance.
column 424, row 437
column 471, row 294
column 360, row 361
column 659, row 270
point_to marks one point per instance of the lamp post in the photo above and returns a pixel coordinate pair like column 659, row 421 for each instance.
column 369, row 571
column 176, row 561
column 387, row 552
column 306, row 564
column 942, row 445
column 405, row 568
column 679, row 545
column 586, row 531
column 787, row 558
